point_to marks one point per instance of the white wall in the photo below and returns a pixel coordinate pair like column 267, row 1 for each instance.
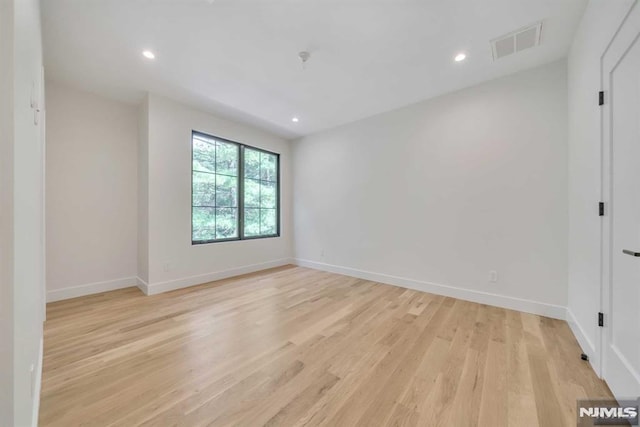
column 22, row 218
column 173, row 261
column 119, row 197
column 143, row 191
column 601, row 19
column 6, row 213
column 92, row 175
column 444, row 191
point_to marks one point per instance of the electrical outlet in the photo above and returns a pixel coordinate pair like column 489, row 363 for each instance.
column 493, row 276
column 167, row 267
column 322, row 253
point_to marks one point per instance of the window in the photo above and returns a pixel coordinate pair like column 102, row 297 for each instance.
column 235, row 191
column 260, row 193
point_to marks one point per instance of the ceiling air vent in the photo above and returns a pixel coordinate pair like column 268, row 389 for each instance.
column 516, row 41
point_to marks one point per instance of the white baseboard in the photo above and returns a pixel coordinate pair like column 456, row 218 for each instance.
column 622, row 378
column 156, row 288
column 527, row 306
column 588, row 347
column 37, row 386
column 90, row 288
column 142, row 285
column 185, row 282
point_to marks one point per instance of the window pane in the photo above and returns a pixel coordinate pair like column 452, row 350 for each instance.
column 251, row 163
column 204, row 224
column 251, row 193
column 260, row 191
column 204, row 185
column 267, row 221
column 268, row 194
column 251, row 222
column 227, row 158
column 226, row 223
column 268, row 170
column 226, row 191
column 204, row 155
column 215, row 189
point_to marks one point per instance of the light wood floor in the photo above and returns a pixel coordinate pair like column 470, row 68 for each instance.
column 295, row 346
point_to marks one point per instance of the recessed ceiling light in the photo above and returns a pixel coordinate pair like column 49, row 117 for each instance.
column 148, row 54
column 460, row 57
column 295, row 120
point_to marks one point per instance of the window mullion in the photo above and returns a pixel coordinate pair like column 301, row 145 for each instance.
column 241, row 192
column 215, row 191
column 260, row 193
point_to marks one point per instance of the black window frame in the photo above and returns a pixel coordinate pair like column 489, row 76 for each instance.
column 240, row 186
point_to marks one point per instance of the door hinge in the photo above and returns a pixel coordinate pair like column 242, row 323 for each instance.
column 601, row 98
column 601, row 209
column 601, row 319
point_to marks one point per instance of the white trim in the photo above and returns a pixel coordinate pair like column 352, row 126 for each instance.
column 90, row 288
column 142, row 285
column 622, row 378
column 185, row 282
column 37, row 386
column 584, row 342
column 620, row 375
column 157, row 288
column 527, row 306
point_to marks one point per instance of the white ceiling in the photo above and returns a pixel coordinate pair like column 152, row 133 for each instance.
column 238, row 58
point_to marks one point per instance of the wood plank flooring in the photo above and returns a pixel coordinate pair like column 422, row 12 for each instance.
column 295, row 347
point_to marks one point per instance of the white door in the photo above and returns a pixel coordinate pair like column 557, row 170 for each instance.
column 621, row 226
